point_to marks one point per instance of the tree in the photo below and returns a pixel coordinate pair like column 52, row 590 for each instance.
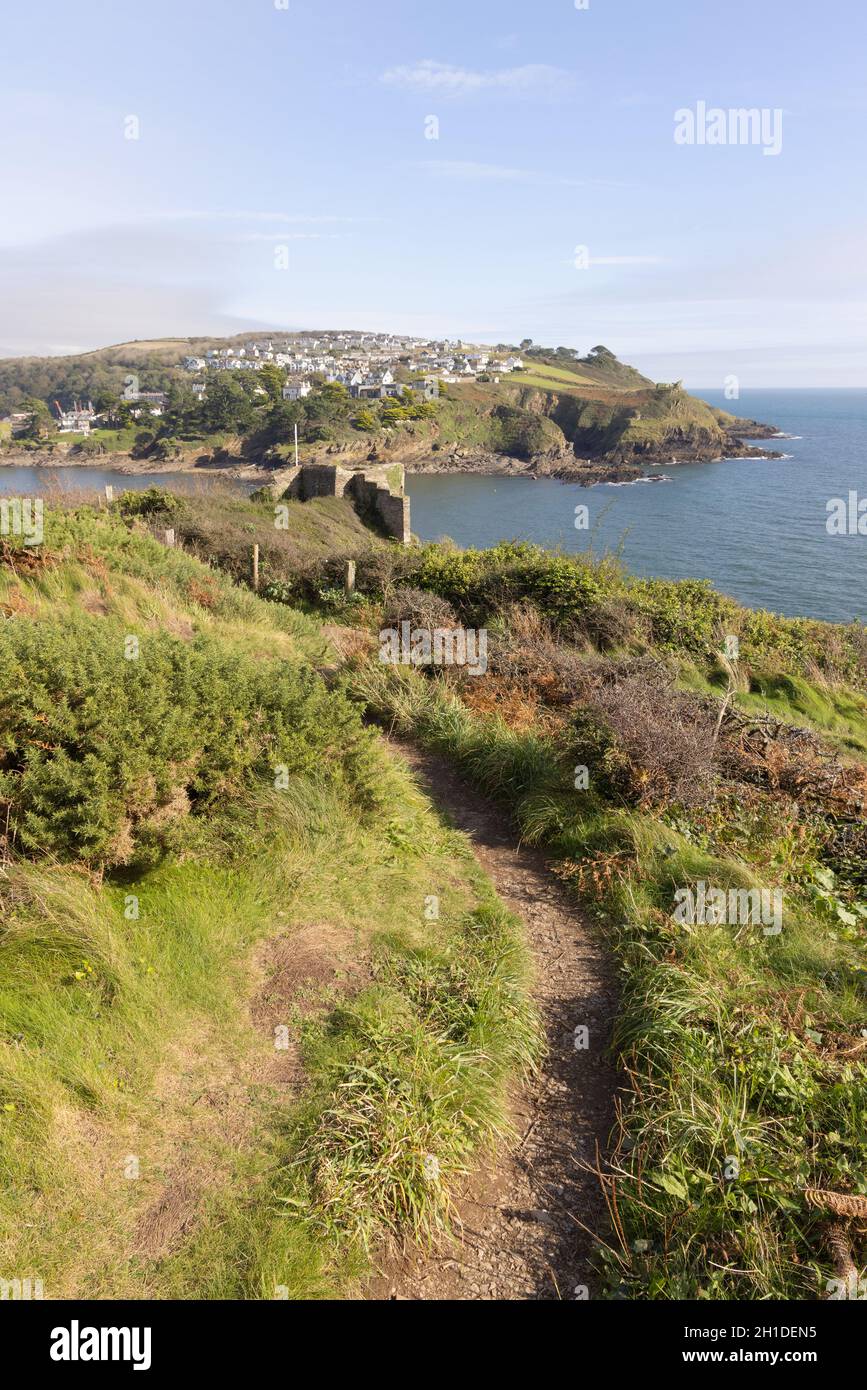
column 335, row 393
column 272, row 378
column 280, row 422
column 227, row 406
column 182, row 408
column 119, row 415
column 328, row 406
column 40, row 421
column 104, row 400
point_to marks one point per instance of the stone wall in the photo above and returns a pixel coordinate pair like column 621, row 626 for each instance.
column 379, row 488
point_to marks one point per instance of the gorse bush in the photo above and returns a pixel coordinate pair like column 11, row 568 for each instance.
column 99, row 753
column 590, row 599
column 152, row 501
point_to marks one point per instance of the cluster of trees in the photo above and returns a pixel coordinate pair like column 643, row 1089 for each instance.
column 65, row 379
column 567, row 356
column 247, row 404
column 40, row 424
column 251, row 405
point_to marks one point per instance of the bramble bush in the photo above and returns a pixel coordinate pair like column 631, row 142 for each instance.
column 99, row 754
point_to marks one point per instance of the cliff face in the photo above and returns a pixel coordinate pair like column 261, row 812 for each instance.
column 655, row 424
column 585, row 432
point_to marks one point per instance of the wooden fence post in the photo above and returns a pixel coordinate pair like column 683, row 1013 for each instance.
column 256, row 568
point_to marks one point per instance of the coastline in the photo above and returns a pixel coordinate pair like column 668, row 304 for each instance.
column 563, row 465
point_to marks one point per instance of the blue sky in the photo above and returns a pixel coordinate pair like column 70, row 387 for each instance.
column 305, row 127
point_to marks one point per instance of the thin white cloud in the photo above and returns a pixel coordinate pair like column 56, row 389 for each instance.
column 445, row 79
column 202, row 215
column 472, row 171
column 618, row 260
column 283, row 235
column 626, row 260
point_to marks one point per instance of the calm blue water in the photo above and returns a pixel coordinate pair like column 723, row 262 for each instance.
column 756, row 529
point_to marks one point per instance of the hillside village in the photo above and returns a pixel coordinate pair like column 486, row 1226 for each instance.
column 367, row 364
column 340, row 356
column 371, row 366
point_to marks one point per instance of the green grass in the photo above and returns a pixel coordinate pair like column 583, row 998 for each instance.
column 548, row 378
column 411, row 1064
column 748, row 1082
column 840, row 712
column 147, row 1149
column 837, row 711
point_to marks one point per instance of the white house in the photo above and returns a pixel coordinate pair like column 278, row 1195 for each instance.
column 296, row 390
column 77, row 420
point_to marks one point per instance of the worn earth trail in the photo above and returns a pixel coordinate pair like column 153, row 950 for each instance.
column 526, row 1218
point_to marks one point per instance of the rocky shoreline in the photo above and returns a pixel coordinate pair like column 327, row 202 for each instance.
column 568, row 468
column 562, row 464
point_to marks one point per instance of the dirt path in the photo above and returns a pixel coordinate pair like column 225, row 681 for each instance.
column 523, row 1217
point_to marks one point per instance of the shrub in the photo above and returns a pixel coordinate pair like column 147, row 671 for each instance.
column 280, row 591
column 420, row 608
column 152, row 501
column 97, row 751
column 89, row 448
column 564, row 589
column 686, row 614
column 644, row 741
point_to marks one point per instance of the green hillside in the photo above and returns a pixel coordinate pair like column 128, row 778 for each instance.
column 234, row 1034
